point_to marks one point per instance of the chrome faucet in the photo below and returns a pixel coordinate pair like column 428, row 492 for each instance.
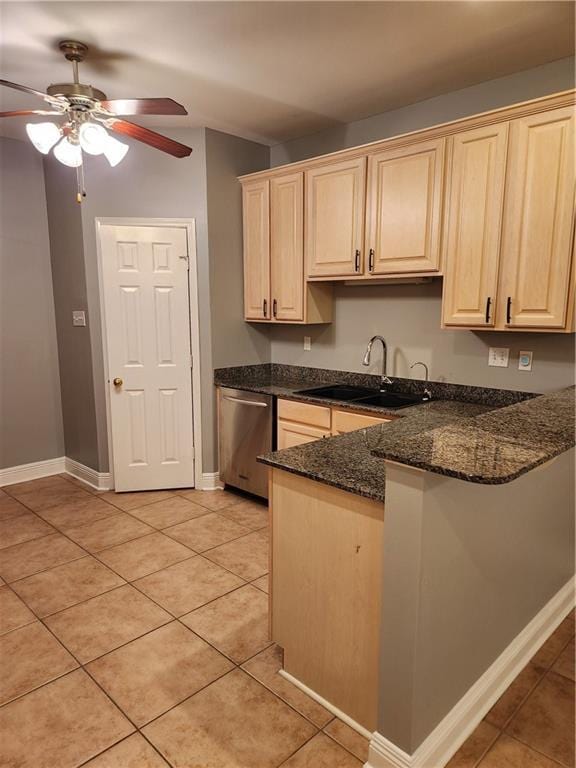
column 427, row 393
column 384, row 379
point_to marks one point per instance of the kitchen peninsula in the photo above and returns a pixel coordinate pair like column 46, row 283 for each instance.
column 457, row 512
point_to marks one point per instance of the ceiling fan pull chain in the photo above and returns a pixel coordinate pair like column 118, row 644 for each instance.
column 81, row 193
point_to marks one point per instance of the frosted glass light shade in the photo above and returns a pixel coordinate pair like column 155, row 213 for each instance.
column 43, row 135
column 115, row 150
column 93, row 138
column 68, row 153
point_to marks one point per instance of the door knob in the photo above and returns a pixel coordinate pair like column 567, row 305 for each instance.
column 117, row 382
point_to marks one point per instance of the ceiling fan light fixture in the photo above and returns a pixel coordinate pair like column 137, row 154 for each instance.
column 93, row 138
column 43, row 135
column 114, row 150
column 68, row 153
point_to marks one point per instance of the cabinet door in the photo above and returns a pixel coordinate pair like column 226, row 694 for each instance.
column 290, row 433
column 287, row 246
column 473, row 224
column 335, row 218
column 538, row 221
column 404, row 208
column 256, row 213
column 346, row 421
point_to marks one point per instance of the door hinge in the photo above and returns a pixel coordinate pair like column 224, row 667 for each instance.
column 191, row 361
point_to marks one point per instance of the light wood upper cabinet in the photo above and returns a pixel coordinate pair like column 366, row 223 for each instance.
column 404, row 209
column 538, row 221
column 255, row 207
column 473, row 224
column 287, row 246
column 334, row 218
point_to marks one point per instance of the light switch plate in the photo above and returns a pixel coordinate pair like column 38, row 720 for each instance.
column 525, row 361
column 499, row 356
column 78, row 317
column 307, row 343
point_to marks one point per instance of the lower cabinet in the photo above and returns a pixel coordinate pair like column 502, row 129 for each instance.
column 326, row 581
column 300, row 423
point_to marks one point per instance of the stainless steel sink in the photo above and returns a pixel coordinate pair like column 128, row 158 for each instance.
column 337, row 392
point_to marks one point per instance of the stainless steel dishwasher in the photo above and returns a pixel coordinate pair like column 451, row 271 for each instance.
column 246, row 430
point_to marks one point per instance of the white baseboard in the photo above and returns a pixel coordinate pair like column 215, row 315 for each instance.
column 437, row 749
column 210, row 481
column 33, row 471
column 326, row 704
column 101, row 481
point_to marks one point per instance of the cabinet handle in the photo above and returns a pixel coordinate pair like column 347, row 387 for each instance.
column 264, row 307
column 357, row 262
column 488, row 303
column 274, row 307
column 371, row 260
column 508, row 309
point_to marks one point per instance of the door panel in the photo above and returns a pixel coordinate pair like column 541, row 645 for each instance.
column 287, row 246
column 290, row 434
column 145, row 284
column 335, row 218
column 404, row 208
column 256, row 214
column 473, row 223
column 538, row 221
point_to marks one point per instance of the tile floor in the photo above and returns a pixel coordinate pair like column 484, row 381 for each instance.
column 135, row 627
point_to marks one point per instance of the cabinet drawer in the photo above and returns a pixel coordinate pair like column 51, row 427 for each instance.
column 315, row 415
column 290, row 434
column 346, row 421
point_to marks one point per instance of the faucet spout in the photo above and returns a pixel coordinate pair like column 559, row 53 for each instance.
column 384, row 378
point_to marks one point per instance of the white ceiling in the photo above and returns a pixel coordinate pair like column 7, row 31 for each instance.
column 273, row 71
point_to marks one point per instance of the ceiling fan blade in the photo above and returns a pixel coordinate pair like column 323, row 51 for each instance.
column 23, row 112
column 152, row 138
column 144, row 107
column 25, row 89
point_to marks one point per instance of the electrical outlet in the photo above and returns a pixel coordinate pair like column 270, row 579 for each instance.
column 307, row 343
column 78, row 317
column 525, row 361
column 499, row 356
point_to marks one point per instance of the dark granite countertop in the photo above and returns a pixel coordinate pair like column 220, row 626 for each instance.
column 495, row 447
column 476, row 434
column 348, row 461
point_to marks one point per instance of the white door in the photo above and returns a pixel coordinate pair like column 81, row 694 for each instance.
column 145, row 284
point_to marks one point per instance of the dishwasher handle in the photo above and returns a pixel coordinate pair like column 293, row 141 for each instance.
column 245, row 402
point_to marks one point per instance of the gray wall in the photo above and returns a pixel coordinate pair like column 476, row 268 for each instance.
column 409, row 316
column 151, row 184
column 521, row 86
column 30, row 411
column 234, row 342
column 452, row 602
column 69, row 280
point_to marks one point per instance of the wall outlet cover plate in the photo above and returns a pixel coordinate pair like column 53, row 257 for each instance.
column 78, row 317
column 499, row 356
column 525, row 361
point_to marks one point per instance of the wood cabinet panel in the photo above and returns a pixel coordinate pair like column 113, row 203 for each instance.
column 291, row 433
column 538, row 221
column 473, row 226
column 326, row 585
column 287, row 246
column 347, row 421
column 314, row 415
column 404, row 208
column 334, row 220
column 255, row 207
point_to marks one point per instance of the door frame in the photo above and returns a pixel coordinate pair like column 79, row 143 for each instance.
column 193, row 326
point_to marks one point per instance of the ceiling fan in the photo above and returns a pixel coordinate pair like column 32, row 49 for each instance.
column 88, row 116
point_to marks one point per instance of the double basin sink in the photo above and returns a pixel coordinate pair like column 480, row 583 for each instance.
column 363, row 396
